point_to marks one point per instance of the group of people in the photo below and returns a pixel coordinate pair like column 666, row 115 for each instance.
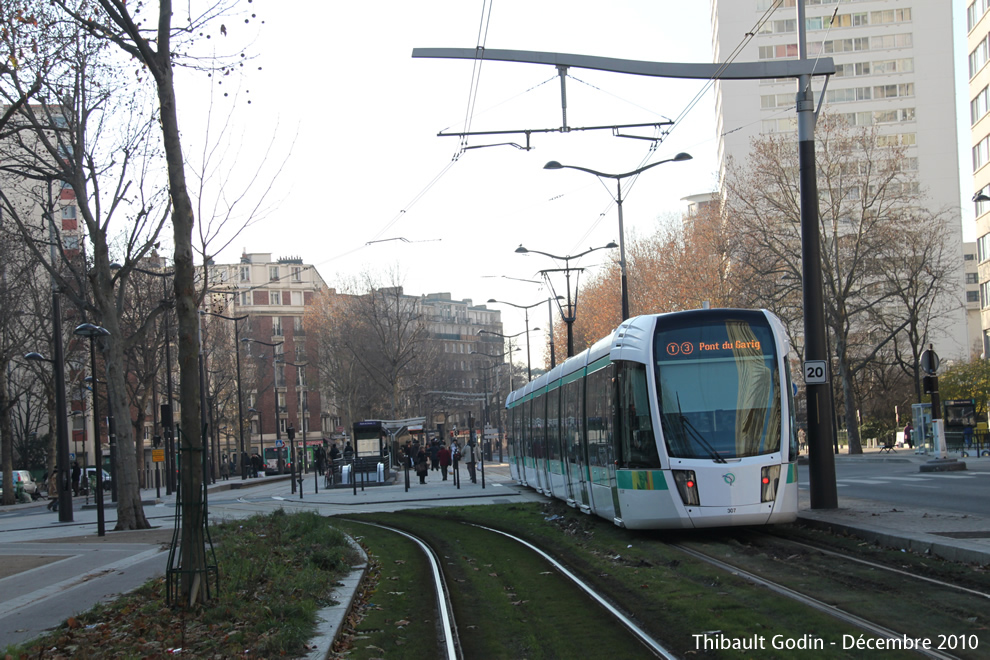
column 437, row 456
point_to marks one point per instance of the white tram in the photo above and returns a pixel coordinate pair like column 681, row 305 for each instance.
column 674, row 420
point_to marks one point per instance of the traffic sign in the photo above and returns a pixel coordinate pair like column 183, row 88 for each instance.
column 279, row 443
column 158, row 455
column 72, row 456
column 929, row 362
column 815, row 372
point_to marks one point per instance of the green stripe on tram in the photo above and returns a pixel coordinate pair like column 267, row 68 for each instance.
column 598, row 364
column 640, row 480
column 570, row 378
column 792, row 473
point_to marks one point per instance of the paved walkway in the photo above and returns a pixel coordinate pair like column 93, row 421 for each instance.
column 50, row 570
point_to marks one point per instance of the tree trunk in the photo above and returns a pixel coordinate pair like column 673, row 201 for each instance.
column 130, row 510
column 6, row 439
column 193, row 583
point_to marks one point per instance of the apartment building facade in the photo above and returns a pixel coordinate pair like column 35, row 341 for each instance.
column 894, row 62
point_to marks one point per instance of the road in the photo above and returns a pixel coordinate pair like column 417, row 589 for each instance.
column 898, row 480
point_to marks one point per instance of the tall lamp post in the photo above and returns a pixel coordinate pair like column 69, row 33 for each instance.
column 64, row 479
column 278, row 433
column 554, row 165
column 293, row 457
column 92, row 331
column 526, row 308
column 261, row 437
column 571, row 314
column 529, row 368
column 240, row 397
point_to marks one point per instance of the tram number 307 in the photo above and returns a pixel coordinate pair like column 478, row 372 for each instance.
column 731, row 509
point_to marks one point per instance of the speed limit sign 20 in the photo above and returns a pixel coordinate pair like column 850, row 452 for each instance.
column 815, row 372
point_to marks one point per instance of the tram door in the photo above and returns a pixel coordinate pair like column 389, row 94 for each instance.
column 598, row 430
column 572, row 439
column 534, row 441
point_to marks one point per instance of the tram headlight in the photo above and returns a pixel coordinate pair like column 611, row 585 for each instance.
column 687, row 487
column 768, row 483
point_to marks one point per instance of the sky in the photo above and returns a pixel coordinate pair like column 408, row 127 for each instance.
column 337, row 124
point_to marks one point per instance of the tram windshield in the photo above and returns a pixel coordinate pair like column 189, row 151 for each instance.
column 718, row 385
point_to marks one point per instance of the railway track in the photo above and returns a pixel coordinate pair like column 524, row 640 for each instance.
column 453, row 615
column 942, row 618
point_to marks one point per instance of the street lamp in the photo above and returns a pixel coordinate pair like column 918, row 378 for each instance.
column 63, row 481
column 92, row 331
column 529, row 368
column 293, row 456
column 526, row 309
column 255, row 411
column 554, row 165
column 278, row 433
column 571, row 305
column 240, row 397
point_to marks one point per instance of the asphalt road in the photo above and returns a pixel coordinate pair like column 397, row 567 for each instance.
column 898, row 480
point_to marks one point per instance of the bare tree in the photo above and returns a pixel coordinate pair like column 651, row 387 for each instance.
column 869, row 201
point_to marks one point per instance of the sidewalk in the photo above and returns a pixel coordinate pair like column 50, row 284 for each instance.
column 50, row 570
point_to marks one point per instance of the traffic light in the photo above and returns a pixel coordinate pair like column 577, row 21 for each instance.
column 291, row 432
column 930, row 383
column 156, row 441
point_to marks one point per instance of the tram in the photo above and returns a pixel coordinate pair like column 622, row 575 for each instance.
column 676, row 420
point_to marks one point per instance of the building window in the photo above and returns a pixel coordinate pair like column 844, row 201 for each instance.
column 68, row 212
column 245, row 273
column 273, row 273
column 277, row 326
column 70, row 241
column 296, row 274
column 275, row 298
column 972, row 278
column 972, row 296
column 245, row 298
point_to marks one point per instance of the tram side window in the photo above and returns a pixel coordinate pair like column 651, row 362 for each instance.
column 571, row 419
column 598, row 422
column 638, row 443
column 553, row 424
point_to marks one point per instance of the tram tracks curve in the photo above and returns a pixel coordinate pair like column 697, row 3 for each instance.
column 447, row 606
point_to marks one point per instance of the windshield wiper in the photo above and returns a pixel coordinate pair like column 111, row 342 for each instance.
column 694, row 433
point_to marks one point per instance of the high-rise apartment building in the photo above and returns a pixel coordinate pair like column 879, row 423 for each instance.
column 894, row 70
column 978, row 48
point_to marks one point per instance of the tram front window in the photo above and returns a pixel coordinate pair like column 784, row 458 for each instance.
column 718, row 388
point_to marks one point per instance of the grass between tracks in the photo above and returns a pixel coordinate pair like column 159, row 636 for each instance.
column 276, row 571
column 508, row 608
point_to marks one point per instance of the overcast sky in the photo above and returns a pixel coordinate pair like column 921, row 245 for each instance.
column 357, row 117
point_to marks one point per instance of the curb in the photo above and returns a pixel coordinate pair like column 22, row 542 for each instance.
column 921, row 543
column 330, row 620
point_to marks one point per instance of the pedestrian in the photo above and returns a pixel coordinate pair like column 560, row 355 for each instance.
column 434, row 451
column 443, row 458
column 334, row 452
column 76, row 472
column 422, row 469
column 224, row 469
column 907, row 435
column 257, row 467
column 470, row 456
column 348, row 451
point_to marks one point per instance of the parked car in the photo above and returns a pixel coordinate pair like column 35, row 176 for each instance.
column 22, row 482
column 91, row 479
column 28, row 483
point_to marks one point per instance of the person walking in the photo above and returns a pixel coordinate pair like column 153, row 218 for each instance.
column 470, row 456
column 443, row 458
column 76, row 472
column 420, row 464
column 434, row 452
